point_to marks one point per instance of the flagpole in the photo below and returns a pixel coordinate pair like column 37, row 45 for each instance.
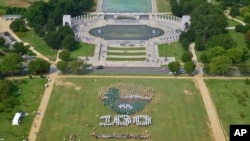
column 86, row 51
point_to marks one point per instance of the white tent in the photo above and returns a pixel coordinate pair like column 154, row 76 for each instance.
column 16, row 118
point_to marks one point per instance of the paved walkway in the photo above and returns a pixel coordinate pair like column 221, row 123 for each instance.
column 227, row 12
column 4, row 27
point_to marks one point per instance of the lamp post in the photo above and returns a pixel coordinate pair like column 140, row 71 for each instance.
column 166, row 58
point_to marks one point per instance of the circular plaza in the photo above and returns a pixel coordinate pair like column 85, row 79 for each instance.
column 127, row 33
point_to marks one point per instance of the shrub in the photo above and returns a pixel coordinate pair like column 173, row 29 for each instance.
column 247, row 81
column 242, row 114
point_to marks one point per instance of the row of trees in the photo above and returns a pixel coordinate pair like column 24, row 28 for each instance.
column 40, row 12
column 75, row 66
column 12, row 64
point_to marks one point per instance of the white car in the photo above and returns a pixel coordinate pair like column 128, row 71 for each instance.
column 88, row 68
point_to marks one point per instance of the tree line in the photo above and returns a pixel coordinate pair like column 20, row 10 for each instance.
column 46, row 18
column 207, row 31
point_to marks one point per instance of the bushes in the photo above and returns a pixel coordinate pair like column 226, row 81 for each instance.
column 242, row 97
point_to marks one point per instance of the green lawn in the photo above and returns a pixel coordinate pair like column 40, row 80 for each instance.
column 75, row 103
column 126, row 53
column 163, row 5
column 238, row 38
column 215, row 2
column 32, row 91
column 224, row 94
column 39, row 44
column 126, row 48
column 89, row 48
column 232, row 22
column 125, row 59
column 173, row 50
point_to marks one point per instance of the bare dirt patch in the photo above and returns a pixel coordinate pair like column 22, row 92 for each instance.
column 21, row 3
column 60, row 82
column 188, row 92
column 78, row 88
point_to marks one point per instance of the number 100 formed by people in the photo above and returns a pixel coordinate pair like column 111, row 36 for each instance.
column 125, row 120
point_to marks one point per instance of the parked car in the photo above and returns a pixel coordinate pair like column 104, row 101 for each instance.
column 99, row 67
column 88, row 67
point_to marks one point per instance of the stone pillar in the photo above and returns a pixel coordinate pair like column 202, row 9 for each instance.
column 67, row 20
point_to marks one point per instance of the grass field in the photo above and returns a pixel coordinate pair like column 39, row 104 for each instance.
column 225, row 94
column 163, row 5
column 81, row 51
column 39, row 44
column 30, row 97
column 126, row 48
column 175, row 115
column 173, row 50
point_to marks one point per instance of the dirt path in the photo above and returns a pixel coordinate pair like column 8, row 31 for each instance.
column 215, row 125
column 34, row 131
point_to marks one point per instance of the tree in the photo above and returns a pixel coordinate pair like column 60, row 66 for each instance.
column 244, row 67
column 11, row 63
column 204, row 57
column 5, row 87
column 38, row 13
column 77, row 65
column 50, row 26
column 18, row 25
column 215, row 51
column 65, row 31
column 207, row 20
column 53, row 40
column 220, row 65
column 64, row 55
column 189, row 67
column 37, row 28
column 199, row 44
column 235, row 11
column 69, row 43
column 235, row 54
column 223, row 40
column 239, row 28
column 245, row 55
column 39, row 66
column 247, row 17
column 62, row 65
column 20, row 49
column 2, row 41
column 174, row 66
column 186, row 56
column 247, row 37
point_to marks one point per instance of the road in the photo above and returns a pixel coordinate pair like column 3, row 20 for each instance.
column 128, row 70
